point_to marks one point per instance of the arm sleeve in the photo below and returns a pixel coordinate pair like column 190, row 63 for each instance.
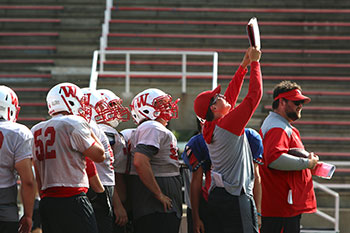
column 235, row 86
column 81, row 139
column 255, row 143
column 196, row 154
column 149, row 135
column 147, row 150
column 276, row 143
column 24, row 146
column 236, row 120
column 288, row 162
column 188, row 157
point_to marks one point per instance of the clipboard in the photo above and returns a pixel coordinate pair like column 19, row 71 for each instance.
column 254, row 33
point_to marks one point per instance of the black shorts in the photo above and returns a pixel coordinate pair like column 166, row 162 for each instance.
column 231, row 213
column 276, row 224
column 158, row 223
column 9, row 227
column 67, row 214
column 102, row 208
column 203, row 214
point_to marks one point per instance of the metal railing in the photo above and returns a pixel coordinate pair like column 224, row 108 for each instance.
column 184, row 74
column 335, row 219
column 101, row 55
column 105, row 29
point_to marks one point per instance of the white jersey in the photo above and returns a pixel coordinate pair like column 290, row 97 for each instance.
column 126, row 161
column 16, row 143
column 59, row 144
column 165, row 163
column 104, row 169
column 119, row 147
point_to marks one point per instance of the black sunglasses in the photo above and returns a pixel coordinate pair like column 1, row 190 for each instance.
column 297, row 103
column 215, row 98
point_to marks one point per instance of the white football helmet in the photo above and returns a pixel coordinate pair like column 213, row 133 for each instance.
column 9, row 107
column 97, row 107
column 151, row 104
column 119, row 113
column 66, row 97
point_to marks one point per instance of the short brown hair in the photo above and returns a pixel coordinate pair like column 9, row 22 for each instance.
column 282, row 87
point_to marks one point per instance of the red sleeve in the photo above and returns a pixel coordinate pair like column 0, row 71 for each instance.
column 237, row 119
column 90, row 168
column 193, row 161
column 276, row 142
column 234, row 87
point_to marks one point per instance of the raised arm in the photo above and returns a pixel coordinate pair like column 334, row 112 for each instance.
column 236, row 120
column 235, row 86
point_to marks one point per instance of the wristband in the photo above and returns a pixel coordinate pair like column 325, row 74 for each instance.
column 259, row 214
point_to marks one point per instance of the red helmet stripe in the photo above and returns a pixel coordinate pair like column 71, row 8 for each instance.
column 64, row 100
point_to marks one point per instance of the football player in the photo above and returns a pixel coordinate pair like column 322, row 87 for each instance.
column 117, row 114
column 97, row 111
column 60, row 146
column 156, row 191
column 16, row 142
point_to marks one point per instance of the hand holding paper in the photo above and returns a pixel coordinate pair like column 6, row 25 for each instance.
column 313, row 160
column 323, row 170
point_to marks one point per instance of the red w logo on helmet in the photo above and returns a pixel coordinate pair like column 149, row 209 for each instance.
column 14, row 100
column 142, row 100
column 69, row 91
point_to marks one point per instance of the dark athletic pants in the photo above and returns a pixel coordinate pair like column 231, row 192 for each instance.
column 203, row 214
column 231, row 213
column 158, row 223
column 9, row 227
column 103, row 212
column 67, row 215
column 276, row 224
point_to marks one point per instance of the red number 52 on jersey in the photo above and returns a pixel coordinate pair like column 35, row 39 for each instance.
column 42, row 142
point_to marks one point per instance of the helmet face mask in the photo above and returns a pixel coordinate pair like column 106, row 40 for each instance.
column 165, row 107
column 102, row 110
column 66, row 97
column 117, row 112
column 9, row 107
column 120, row 112
column 96, row 108
column 152, row 104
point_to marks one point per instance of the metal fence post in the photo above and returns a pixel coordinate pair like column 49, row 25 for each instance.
column 127, row 73
column 215, row 70
column 184, row 59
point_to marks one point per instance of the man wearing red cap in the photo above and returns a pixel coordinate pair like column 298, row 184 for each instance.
column 230, row 201
column 287, row 188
